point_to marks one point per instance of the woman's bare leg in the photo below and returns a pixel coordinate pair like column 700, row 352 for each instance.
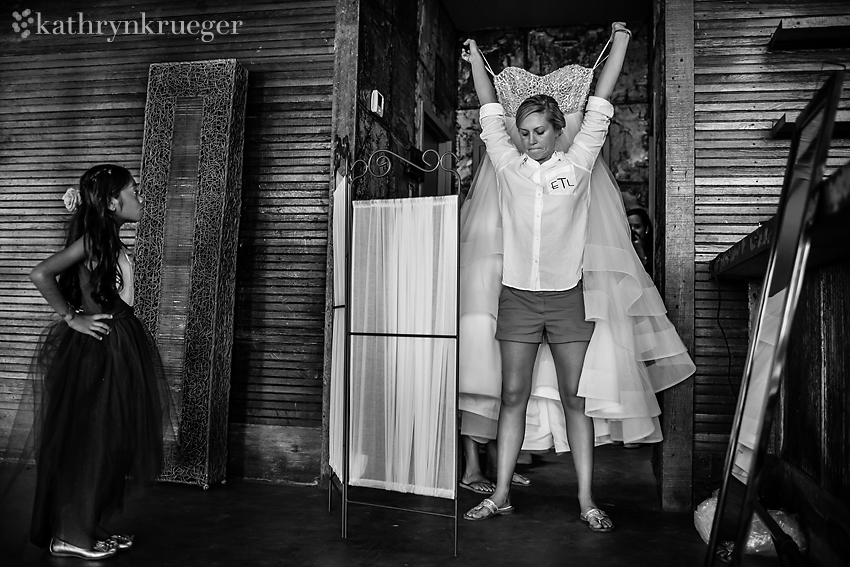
column 517, row 366
column 569, row 359
column 473, row 474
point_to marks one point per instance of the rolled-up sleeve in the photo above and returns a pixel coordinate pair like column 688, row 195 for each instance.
column 588, row 142
column 500, row 148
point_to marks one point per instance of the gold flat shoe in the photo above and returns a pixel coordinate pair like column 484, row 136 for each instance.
column 121, row 541
column 101, row 550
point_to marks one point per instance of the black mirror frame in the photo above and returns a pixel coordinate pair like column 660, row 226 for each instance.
column 745, row 496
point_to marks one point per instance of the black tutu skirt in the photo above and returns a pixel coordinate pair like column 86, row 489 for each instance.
column 99, row 426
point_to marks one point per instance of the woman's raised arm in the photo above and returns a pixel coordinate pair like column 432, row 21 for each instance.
column 611, row 71
column 483, row 85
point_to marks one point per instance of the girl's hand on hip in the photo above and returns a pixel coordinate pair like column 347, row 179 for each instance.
column 93, row 325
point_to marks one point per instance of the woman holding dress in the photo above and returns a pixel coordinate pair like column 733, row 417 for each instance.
column 583, row 297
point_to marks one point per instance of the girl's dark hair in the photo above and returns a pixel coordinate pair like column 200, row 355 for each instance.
column 644, row 218
column 541, row 103
column 646, row 240
column 94, row 221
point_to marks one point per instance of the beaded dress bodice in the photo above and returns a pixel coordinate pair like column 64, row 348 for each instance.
column 568, row 85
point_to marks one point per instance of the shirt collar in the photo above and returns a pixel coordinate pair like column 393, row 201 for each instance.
column 557, row 157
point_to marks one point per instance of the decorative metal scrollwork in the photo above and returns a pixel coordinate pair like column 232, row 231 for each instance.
column 379, row 164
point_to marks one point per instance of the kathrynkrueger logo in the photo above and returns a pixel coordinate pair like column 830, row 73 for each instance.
column 205, row 29
column 22, row 22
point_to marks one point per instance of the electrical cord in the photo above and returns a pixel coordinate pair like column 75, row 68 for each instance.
column 725, row 338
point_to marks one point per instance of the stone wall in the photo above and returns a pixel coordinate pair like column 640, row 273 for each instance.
column 436, row 69
column 387, row 63
column 542, row 51
column 407, row 52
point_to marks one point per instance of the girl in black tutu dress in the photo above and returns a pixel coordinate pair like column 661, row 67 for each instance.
column 99, row 427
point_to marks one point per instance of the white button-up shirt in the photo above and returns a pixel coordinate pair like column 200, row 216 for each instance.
column 544, row 206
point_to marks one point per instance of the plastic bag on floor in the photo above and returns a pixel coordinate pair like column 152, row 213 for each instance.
column 704, row 516
column 759, row 541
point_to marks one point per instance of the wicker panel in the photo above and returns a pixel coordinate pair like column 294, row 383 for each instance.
column 186, row 248
column 181, row 206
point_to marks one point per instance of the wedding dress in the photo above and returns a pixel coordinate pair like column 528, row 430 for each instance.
column 635, row 350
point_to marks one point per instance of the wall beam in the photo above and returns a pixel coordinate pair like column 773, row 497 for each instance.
column 676, row 453
column 343, row 123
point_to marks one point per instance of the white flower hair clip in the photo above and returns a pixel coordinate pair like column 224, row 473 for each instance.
column 72, row 199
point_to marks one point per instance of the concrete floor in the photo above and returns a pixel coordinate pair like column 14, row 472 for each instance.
column 255, row 523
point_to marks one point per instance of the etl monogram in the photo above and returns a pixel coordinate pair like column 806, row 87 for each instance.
column 561, row 183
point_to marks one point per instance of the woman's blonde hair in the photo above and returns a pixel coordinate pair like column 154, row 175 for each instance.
column 541, row 103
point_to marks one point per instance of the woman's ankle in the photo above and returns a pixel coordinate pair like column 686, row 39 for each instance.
column 472, row 476
column 501, row 499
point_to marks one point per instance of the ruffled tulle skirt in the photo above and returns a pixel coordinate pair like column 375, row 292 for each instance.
column 100, row 419
column 634, row 352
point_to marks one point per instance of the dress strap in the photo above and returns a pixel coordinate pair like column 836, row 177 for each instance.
column 601, row 59
column 127, row 292
column 487, row 65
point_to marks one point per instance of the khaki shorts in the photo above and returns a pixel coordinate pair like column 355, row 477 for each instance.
column 525, row 315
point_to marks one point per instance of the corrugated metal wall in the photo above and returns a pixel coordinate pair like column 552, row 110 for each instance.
column 71, row 101
column 741, row 88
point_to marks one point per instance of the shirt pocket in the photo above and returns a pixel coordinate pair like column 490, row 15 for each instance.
column 561, row 180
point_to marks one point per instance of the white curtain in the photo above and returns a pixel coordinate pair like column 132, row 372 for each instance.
column 340, row 206
column 403, row 368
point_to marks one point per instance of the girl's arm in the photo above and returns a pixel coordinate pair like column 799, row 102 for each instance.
column 611, row 71
column 44, row 278
column 483, row 85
